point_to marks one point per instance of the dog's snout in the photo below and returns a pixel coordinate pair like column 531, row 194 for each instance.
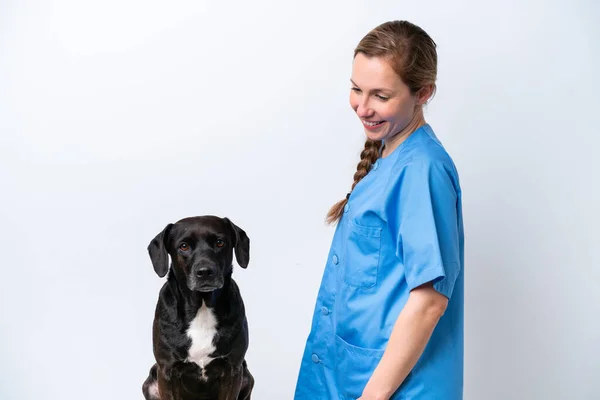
column 205, row 273
column 205, row 277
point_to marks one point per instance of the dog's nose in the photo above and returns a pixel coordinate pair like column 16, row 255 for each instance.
column 204, row 273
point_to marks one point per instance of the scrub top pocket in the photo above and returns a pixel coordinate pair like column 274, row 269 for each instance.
column 354, row 368
column 361, row 257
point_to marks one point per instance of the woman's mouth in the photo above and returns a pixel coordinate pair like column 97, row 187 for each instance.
column 372, row 124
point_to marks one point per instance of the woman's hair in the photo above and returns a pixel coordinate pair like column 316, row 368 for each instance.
column 412, row 54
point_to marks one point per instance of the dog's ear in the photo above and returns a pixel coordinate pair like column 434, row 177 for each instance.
column 241, row 245
column 158, row 252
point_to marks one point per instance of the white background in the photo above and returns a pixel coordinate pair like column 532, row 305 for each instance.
column 120, row 116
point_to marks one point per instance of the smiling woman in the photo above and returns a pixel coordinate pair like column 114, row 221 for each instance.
column 395, row 281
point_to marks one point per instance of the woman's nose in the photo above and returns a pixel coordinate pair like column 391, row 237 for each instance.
column 363, row 110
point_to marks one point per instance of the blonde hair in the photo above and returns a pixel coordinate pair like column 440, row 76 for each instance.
column 412, row 55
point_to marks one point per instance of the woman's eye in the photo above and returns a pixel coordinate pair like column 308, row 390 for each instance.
column 354, row 88
column 184, row 246
column 383, row 97
column 220, row 243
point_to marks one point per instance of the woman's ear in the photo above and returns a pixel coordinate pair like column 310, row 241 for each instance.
column 424, row 94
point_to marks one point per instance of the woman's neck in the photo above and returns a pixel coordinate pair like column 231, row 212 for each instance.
column 397, row 139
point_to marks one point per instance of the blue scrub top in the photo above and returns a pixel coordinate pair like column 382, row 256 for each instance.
column 402, row 227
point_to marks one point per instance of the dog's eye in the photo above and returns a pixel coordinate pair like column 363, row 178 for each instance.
column 220, row 243
column 184, row 246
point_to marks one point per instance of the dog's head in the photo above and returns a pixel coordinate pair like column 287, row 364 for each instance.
column 201, row 250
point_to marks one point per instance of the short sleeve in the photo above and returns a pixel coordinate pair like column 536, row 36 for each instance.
column 427, row 224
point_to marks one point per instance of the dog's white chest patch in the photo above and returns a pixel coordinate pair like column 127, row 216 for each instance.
column 202, row 331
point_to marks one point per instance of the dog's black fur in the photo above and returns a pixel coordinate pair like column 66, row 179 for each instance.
column 201, row 251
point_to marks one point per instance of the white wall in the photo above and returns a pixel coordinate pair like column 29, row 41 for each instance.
column 117, row 117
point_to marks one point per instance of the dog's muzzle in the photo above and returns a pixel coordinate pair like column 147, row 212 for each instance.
column 205, row 279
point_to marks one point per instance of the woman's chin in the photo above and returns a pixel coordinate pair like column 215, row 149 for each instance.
column 375, row 136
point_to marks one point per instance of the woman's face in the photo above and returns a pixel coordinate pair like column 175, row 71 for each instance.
column 381, row 100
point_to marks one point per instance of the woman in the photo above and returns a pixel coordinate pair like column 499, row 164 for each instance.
column 388, row 321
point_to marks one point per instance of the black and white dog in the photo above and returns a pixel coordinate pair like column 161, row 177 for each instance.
column 200, row 332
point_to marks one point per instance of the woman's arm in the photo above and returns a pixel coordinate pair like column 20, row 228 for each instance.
column 410, row 335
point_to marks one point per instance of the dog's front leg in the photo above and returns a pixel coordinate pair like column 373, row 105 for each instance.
column 165, row 388
column 247, row 383
column 231, row 385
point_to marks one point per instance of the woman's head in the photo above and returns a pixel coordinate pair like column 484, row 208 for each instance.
column 393, row 75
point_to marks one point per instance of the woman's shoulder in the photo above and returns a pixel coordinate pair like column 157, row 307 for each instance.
column 424, row 162
column 425, row 150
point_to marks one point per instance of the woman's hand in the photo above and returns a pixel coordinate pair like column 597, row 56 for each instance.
column 373, row 394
